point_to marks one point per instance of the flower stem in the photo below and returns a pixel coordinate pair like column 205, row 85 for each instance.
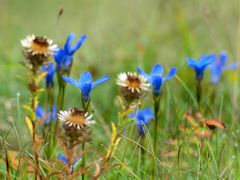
column 85, row 107
column 199, row 91
column 143, row 160
column 156, row 110
column 62, row 97
column 83, row 159
column 60, row 102
column 59, row 96
column 50, row 137
column 34, row 97
column 156, row 99
column 50, row 96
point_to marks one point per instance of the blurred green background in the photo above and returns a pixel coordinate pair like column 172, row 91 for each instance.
column 121, row 36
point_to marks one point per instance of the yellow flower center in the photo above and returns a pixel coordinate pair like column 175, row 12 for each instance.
column 133, row 82
column 77, row 117
column 40, row 45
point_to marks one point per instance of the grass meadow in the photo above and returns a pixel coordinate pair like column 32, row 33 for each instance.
column 121, row 36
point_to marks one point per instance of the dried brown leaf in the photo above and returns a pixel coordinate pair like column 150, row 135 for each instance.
column 214, row 123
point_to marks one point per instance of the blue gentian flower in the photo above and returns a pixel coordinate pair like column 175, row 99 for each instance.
column 40, row 113
column 64, row 57
column 156, row 77
column 200, row 66
column 64, row 159
column 218, row 66
column 85, row 83
column 142, row 117
column 49, row 77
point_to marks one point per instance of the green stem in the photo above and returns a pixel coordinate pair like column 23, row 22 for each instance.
column 85, row 107
column 83, row 159
column 199, row 91
column 143, row 160
column 59, row 96
column 50, row 131
column 85, row 104
column 62, row 97
column 156, row 109
column 58, row 107
column 156, row 99
column 50, row 96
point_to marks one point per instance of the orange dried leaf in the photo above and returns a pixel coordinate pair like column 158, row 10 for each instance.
column 213, row 123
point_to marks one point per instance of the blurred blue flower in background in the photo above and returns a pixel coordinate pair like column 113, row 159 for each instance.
column 156, row 77
column 85, row 83
column 200, row 66
column 219, row 65
column 63, row 158
column 65, row 161
column 142, row 117
column 49, row 77
column 64, row 57
column 40, row 113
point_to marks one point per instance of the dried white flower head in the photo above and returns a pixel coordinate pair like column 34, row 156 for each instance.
column 35, row 45
column 133, row 82
column 76, row 118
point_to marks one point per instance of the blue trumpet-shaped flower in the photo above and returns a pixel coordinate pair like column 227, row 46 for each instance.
column 63, row 158
column 200, row 66
column 65, row 161
column 142, row 118
column 64, row 57
column 218, row 66
column 49, row 77
column 85, row 83
column 40, row 113
column 156, row 77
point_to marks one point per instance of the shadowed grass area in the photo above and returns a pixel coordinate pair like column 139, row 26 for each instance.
column 121, row 36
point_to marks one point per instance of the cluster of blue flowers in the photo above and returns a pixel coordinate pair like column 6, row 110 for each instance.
column 63, row 58
column 219, row 65
column 216, row 64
